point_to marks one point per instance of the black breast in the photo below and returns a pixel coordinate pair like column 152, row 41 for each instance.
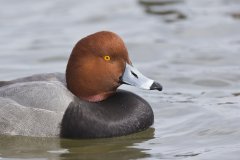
column 119, row 115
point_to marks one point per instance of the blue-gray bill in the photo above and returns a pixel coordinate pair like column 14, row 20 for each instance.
column 133, row 77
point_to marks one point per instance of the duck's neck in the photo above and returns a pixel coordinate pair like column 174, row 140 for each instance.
column 97, row 97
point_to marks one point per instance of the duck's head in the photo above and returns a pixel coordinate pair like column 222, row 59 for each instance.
column 99, row 64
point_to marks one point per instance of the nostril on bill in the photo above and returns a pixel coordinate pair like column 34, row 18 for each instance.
column 134, row 74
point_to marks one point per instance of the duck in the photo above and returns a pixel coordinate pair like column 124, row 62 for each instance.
column 83, row 102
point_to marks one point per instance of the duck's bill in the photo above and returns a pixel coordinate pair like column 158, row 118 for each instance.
column 133, row 77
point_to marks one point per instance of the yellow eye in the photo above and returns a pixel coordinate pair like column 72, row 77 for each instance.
column 107, row 58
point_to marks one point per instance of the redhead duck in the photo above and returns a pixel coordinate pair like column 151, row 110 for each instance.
column 83, row 103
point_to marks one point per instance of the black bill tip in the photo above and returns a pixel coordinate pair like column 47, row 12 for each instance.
column 156, row 86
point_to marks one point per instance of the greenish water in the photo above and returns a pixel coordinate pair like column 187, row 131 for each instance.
column 54, row 148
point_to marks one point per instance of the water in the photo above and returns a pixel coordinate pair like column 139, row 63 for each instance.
column 191, row 47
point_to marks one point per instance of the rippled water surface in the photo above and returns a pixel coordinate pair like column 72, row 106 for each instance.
column 191, row 47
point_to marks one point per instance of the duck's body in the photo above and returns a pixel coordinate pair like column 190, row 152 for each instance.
column 34, row 106
column 121, row 114
column 85, row 104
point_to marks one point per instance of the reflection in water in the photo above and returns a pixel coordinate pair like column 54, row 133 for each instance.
column 236, row 15
column 107, row 148
column 187, row 155
column 159, row 2
column 27, row 147
column 236, row 94
column 168, row 9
